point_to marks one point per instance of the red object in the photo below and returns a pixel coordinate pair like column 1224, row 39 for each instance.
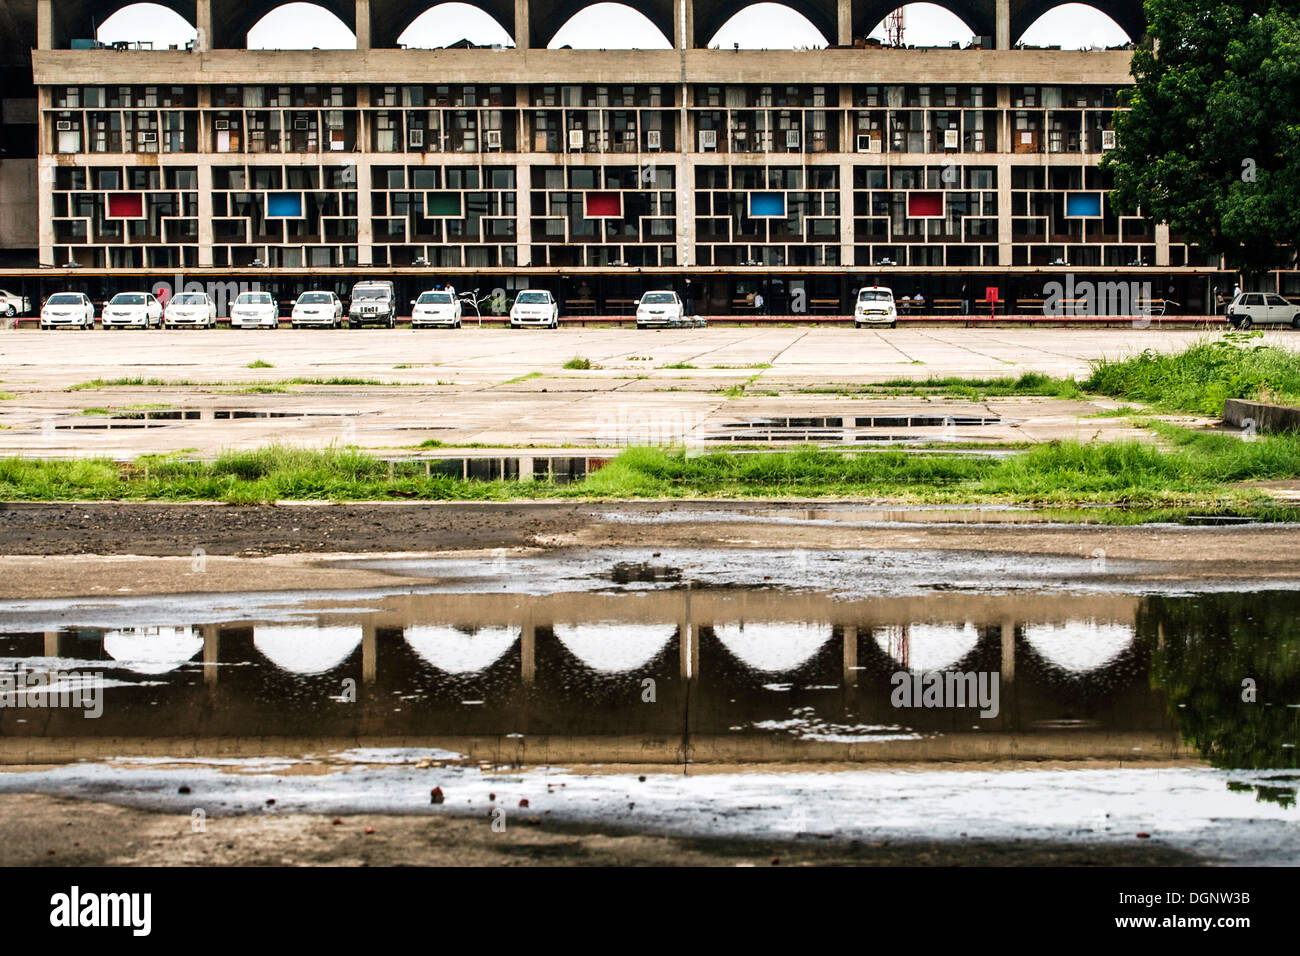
column 523, row 802
column 604, row 205
column 925, row 205
column 124, row 206
column 991, row 296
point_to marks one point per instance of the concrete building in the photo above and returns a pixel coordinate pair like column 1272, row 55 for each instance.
column 798, row 174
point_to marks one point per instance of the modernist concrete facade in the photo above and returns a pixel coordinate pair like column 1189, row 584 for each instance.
column 962, row 166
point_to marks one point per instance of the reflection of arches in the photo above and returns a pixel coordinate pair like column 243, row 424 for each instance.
column 230, row 25
column 547, row 19
column 619, row 27
column 772, row 646
column 712, row 15
column 614, row 648
column 1032, row 12
column 164, row 23
column 458, row 650
column 152, row 650
column 307, row 648
column 927, row 647
column 1078, row 647
column 389, row 19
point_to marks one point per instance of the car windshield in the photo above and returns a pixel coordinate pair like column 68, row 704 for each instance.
column 254, row 298
column 190, row 298
column 65, row 298
column 875, row 295
column 371, row 293
column 434, row 298
column 531, row 298
column 658, row 298
column 314, row 298
column 127, row 298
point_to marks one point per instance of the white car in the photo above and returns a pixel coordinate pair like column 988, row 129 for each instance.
column 72, row 310
column 11, row 303
column 317, row 308
column 254, row 310
column 128, row 310
column 659, row 308
column 875, row 306
column 190, row 308
column 436, row 307
column 1262, row 308
column 535, row 307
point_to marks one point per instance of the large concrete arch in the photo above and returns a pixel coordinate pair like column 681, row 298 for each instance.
column 979, row 15
column 1127, row 13
column 390, row 18
column 711, row 15
column 547, row 19
column 231, row 21
column 79, row 19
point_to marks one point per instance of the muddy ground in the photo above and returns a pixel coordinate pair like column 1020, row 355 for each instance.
column 43, row 830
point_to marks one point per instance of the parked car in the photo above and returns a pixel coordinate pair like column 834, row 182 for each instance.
column 1262, row 308
column 875, row 306
column 372, row 303
column 660, row 308
column 190, row 308
column 11, row 303
column 138, row 310
column 317, row 308
column 535, row 307
column 254, row 310
column 73, row 310
column 436, row 307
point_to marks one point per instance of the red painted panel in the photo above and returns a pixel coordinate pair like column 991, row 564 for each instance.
column 924, row 205
column 604, row 205
column 125, row 206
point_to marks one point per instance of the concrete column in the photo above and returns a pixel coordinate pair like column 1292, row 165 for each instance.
column 1007, row 677
column 684, row 24
column 528, row 652
column 688, row 643
column 844, row 33
column 523, row 210
column 44, row 25
column 51, row 644
column 45, row 163
column 203, row 25
column 1162, row 244
column 369, row 654
column 365, row 228
column 1002, row 25
column 363, row 24
column 205, row 213
column 523, row 26
column 850, row 637
column 211, row 651
column 1005, row 160
column 848, row 235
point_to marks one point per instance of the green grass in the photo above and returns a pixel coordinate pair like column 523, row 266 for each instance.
column 578, row 362
column 258, row 363
column 1197, row 471
column 522, row 378
column 975, row 389
column 682, row 365
column 1200, row 378
column 5, row 396
column 94, row 411
column 118, row 383
column 336, row 380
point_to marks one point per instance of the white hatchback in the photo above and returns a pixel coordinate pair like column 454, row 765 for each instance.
column 317, row 308
column 535, row 307
column 255, row 310
column 875, row 306
column 72, row 310
column 133, row 310
column 659, row 308
column 436, row 307
column 190, row 308
column 1262, row 308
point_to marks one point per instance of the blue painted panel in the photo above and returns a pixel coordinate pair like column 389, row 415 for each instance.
column 767, row 204
column 284, row 205
column 1083, row 204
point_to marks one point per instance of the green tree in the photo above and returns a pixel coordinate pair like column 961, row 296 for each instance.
column 1211, row 142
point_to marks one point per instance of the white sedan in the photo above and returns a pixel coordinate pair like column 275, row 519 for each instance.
column 132, row 310
column 190, row 308
column 317, row 308
column 438, row 307
column 11, row 303
column 255, row 310
column 659, row 308
column 535, row 307
column 72, row 310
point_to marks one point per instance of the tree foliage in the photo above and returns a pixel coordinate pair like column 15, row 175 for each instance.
column 1211, row 141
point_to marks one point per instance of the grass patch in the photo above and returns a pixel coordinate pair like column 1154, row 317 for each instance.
column 1199, row 379
column 94, row 411
column 5, row 396
column 578, row 362
column 336, row 380
column 262, row 389
column 683, row 365
column 259, row 363
column 118, row 383
column 521, row 378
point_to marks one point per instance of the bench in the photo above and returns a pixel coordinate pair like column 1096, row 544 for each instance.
column 946, row 305
column 824, row 305
column 622, row 305
column 581, row 305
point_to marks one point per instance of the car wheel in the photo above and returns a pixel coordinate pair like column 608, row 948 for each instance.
column 1245, row 323
column 1295, row 323
column 10, row 311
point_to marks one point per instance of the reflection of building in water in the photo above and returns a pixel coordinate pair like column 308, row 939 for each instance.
column 152, row 650
column 927, row 647
column 773, row 646
column 307, row 648
column 614, row 647
column 460, row 650
column 1079, row 645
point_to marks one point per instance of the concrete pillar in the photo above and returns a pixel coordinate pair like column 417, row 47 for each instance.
column 365, row 227
column 528, row 652
column 45, row 163
column 205, row 213
column 211, row 654
column 369, row 654
column 51, row 644
column 203, row 25
column 1162, row 244
column 1002, row 25
column 523, row 213
column 44, row 24
column 523, row 26
column 363, row 24
column 844, row 33
column 850, row 636
column 848, row 235
column 684, row 24
column 1005, row 160
column 688, row 645
column 1007, row 677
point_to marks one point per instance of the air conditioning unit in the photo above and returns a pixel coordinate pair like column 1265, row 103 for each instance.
column 951, row 139
column 868, row 143
column 708, row 140
column 63, row 126
column 652, row 139
column 221, row 124
column 1108, row 139
column 415, row 137
column 575, row 139
column 493, row 138
column 148, row 137
column 300, row 124
column 792, row 139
